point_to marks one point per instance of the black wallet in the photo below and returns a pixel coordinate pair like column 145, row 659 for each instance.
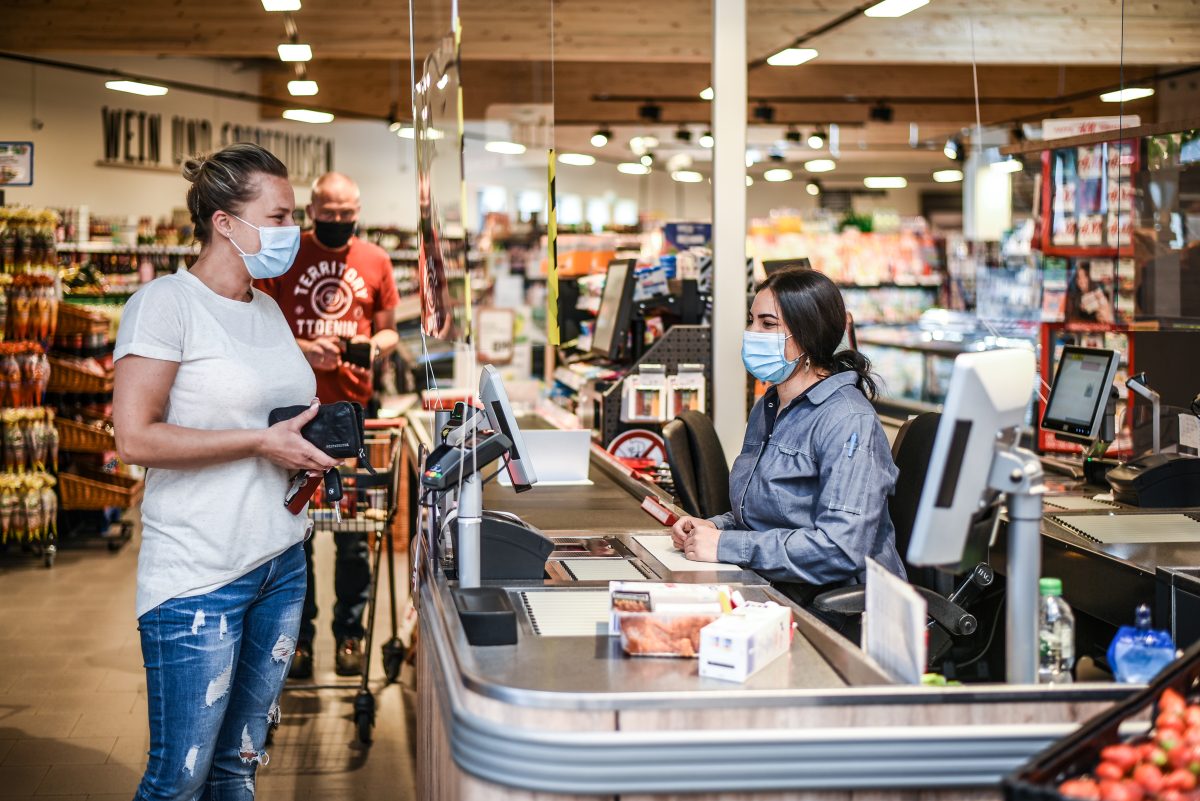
column 337, row 429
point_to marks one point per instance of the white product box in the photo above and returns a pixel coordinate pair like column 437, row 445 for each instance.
column 736, row 646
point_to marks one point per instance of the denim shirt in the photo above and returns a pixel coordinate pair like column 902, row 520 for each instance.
column 809, row 489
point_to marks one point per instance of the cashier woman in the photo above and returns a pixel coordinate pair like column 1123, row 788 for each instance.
column 809, row 489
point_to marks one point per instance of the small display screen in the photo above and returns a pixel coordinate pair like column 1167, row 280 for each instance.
column 1079, row 392
column 612, row 308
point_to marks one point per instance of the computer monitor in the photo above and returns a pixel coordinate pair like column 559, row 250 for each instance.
column 616, row 309
column 988, row 393
column 1082, row 383
column 501, row 418
column 772, row 266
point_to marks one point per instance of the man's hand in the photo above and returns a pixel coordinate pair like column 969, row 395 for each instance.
column 362, row 375
column 684, row 527
column 701, row 544
column 324, row 353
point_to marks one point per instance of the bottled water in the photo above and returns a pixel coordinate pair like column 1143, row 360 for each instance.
column 1139, row 652
column 1056, row 635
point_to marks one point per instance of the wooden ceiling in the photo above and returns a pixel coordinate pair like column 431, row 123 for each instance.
column 1038, row 58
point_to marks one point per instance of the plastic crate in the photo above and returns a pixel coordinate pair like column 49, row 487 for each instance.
column 1079, row 754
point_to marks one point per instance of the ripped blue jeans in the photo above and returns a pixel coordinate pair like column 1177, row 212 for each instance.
column 215, row 666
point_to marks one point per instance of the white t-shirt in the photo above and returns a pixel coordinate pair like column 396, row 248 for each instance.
column 205, row 527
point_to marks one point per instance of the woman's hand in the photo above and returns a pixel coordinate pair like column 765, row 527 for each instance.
column 283, row 445
column 701, row 544
column 684, row 526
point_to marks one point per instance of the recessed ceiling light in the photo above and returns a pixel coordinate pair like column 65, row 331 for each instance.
column 885, row 182
column 137, row 88
column 505, row 148
column 577, row 159
column 816, row 140
column 1008, row 165
column 952, row 149
column 707, row 94
column 948, row 176
column 813, row 188
column 647, row 160
column 632, row 168
column 1125, row 95
column 749, row 181
column 820, row 165
column 706, row 139
column 408, row 132
column 687, row 176
column 895, row 8
column 302, row 88
column 792, row 57
column 281, row 5
column 778, row 174
column 600, row 137
column 307, row 115
column 295, row 52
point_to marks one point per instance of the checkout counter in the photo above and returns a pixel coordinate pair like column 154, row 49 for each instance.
column 565, row 713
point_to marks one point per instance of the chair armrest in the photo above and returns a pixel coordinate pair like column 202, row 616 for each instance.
column 947, row 614
column 844, row 601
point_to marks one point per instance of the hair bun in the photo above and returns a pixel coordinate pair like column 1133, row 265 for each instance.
column 192, row 168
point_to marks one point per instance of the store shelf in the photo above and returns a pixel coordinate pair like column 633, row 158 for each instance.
column 112, row 247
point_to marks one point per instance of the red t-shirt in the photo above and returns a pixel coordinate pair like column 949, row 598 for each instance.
column 335, row 293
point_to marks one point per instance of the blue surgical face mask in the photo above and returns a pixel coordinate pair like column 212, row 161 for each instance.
column 762, row 353
column 277, row 250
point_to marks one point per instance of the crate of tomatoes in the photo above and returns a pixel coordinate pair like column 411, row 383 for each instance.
column 1102, row 763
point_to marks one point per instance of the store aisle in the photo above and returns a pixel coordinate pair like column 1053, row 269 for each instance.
column 73, row 703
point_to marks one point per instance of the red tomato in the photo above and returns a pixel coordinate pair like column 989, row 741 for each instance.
column 1120, row 791
column 1171, row 701
column 1191, row 735
column 1169, row 721
column 1191, row 716
column 1123, row 756
column 1171, row 795
column 1182, row 779
column 1180, row 756
column 1149, row 776
column 1110, row 771
column 1080, row 788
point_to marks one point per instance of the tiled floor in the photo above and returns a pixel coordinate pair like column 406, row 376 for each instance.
column 73, row 704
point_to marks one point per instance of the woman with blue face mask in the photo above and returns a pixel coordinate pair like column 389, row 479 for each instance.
column 201, row 360
column 809, row 489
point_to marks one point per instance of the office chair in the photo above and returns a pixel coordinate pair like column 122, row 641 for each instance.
column 950, row 621
column 698, row 465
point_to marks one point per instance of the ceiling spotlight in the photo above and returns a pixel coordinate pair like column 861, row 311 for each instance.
column 505, row 148
column 817, row 139
column 947, row 176
column 577, row 159
column 1125, row 95
column 778, row 174
column 885, row 182
column 687, row 176
column 792, row 57
column 706, row 139
column 136, row 88
column 632, row 168
column 683, row 134
column 647, row 160
column 1008, row 165
column 707, row 94
column 749, row 181
column 302, row 88
column 776, row 156
column 395, row 127
column 601, row 136
column 813, row 188
column 307, row 115
column 820, row 165
column 764, row 113
column 281, row 5
column 651, row 112
column 793, row 135
column 881, row 112
column 953, row 149
column 295, row 52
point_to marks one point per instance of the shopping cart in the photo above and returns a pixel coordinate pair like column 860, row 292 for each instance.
column 369, row 507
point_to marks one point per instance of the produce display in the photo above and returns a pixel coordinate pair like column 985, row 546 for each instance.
column 1162, row 766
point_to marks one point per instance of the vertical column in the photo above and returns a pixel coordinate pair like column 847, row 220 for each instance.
column 729, row 221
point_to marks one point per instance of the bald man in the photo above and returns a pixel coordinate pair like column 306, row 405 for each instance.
column 340, row 290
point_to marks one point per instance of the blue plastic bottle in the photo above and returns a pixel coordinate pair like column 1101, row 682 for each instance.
column 1139, row 652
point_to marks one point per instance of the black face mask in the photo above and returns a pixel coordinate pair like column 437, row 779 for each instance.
column 334, row 234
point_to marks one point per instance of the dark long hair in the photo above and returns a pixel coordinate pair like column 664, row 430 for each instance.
column 815, row 314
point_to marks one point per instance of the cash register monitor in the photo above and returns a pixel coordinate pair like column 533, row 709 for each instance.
column 501, row 418
column 1082, row 383
column 616, row 308
column 772, row 266
column 988, row 393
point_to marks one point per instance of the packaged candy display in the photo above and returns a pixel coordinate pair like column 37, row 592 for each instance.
column 30, row 440
column 27, row 240
column 28, row 507
column 24, row 374
column 664, row 619
column 30, row 307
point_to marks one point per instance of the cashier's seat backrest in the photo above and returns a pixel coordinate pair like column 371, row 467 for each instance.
column 683, row 466
column 911, row 452
column 712, row 471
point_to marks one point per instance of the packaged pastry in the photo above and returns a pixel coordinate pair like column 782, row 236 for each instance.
column 664, row 619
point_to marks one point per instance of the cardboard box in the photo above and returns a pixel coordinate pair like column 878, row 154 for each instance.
column 736, row 646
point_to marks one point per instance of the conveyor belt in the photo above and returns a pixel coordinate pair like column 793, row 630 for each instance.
column 567, row 613
column 1134, row 528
